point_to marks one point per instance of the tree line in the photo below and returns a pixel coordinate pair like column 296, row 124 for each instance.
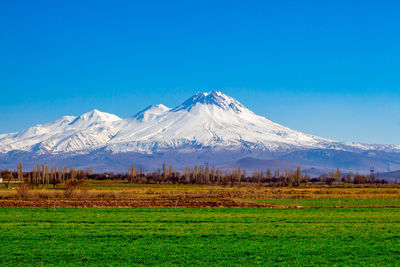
column 44, row 174
column 52, row 175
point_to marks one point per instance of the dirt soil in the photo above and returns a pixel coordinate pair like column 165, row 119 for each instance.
column 137, row 203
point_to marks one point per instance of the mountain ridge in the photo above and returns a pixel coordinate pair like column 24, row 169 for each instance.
column 205, row 123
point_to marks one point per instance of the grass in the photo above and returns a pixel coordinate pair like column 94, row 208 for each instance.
column 335, row 202
column 70, row 237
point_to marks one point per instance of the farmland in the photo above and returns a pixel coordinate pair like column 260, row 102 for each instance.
column 106, row 194
column 120, row 223
column 199, row 236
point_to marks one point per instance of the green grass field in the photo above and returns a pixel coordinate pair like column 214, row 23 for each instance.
column 199, row 237
column 335, row 202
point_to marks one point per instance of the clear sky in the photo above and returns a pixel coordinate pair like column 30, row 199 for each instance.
column 330, row 68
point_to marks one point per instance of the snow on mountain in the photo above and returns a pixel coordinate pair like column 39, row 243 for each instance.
column 205, row 122
column 214, row 98
column 151, row 112
column 67, row 134
column 93, row 118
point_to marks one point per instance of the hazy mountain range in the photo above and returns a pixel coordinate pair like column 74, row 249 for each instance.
column 210, row 128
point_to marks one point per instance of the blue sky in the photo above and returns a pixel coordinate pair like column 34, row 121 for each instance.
column 330, row 68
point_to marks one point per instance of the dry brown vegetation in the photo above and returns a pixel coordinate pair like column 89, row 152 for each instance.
column 201, row 186
column 122, row 194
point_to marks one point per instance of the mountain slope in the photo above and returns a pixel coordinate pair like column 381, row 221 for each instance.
column 210, row 121
column 213, row 126
column 259, row 164
column 67, row 134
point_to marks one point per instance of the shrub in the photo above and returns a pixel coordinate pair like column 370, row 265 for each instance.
column 23, row 191
column 69, row 188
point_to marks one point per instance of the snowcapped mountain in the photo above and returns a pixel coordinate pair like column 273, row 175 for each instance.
column 67, row 134
column 151, row 112
column 213, row 126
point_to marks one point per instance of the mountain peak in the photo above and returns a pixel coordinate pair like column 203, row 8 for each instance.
column 215, row 98
column 151, row 112
column 207, row 127
column 94, row 116
column 97, row 114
